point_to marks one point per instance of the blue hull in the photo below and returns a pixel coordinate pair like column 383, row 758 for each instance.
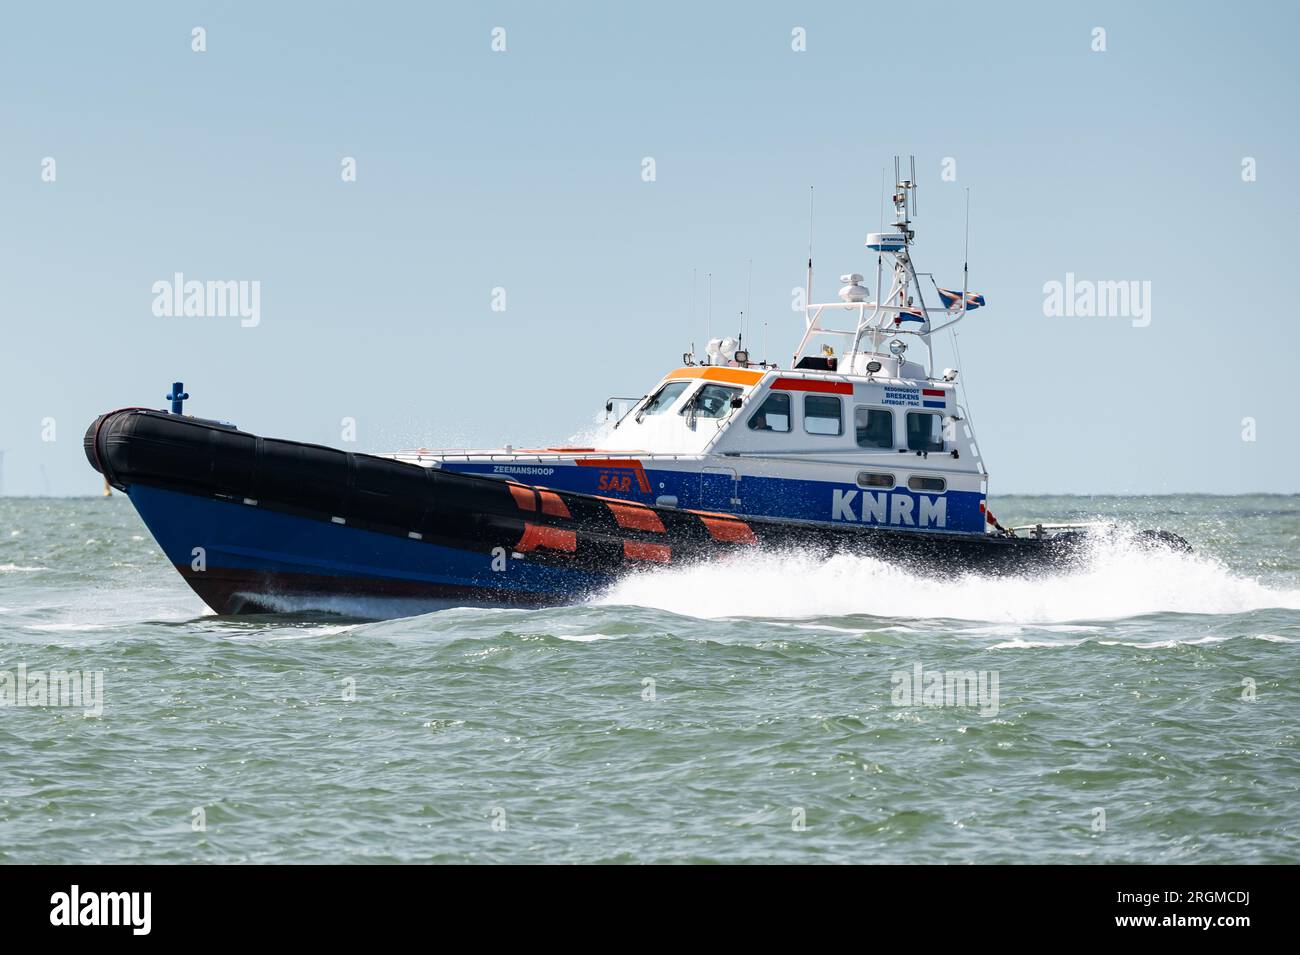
column 261, row 524
column 241, row 558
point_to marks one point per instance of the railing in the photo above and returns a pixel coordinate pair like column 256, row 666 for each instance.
column 1039, row 531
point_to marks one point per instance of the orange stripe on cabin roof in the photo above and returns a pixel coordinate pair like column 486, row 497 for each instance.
column 553, row 450
column 812, row 384
column 624, row 463
column 735, row 376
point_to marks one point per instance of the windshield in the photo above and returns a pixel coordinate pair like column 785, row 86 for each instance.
column 711, row 401
column 663, row 399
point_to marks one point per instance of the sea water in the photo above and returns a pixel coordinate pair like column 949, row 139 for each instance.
column 770, row 708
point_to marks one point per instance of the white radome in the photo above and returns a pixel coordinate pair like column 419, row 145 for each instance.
column 853, row 290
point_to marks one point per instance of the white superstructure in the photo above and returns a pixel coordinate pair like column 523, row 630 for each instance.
column 868, row 436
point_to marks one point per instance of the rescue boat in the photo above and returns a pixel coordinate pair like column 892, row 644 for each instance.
column 866, row 451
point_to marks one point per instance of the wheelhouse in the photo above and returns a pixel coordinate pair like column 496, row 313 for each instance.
column 871, row 436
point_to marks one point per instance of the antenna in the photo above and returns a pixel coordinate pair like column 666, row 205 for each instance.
column 965, row 265
column 693, row 298
column 882, row 204
column 708, row 328
column 810, row 223
column 749, row 293
column 913, row 190
column 744, row 314
column 807, row 301
column 905, row 199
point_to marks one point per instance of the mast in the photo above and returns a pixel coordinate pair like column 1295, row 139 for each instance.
column 880, row 322
column 902, row 310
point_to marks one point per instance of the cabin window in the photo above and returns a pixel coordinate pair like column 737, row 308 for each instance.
column 874, row 427
column 918, row 483
column 711, row 401
column 663, row 399
column 924, row 431
column 821, row 415
column 773, row 414
column 875, row 479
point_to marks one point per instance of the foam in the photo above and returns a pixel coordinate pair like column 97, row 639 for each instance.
column 1122, row 581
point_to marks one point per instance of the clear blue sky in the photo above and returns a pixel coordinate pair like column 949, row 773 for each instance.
column 523, row 170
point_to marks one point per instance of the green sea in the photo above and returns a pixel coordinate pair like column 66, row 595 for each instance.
column 1142, row 708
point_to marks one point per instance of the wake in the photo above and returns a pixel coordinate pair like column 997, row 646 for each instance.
column 1123, row 580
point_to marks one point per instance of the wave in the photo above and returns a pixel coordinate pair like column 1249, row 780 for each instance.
column 1123, row 580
